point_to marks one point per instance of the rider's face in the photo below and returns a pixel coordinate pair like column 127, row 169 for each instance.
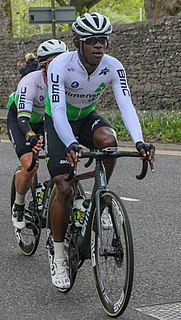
column 94, row 49
column 44, row 66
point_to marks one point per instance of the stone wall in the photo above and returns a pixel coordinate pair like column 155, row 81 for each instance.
column 150, row 53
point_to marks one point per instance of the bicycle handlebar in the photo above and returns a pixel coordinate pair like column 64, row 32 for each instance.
column 108, row 153
column 35, row 159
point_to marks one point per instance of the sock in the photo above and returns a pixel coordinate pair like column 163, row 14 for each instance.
column 59, row 250
column 20, row 198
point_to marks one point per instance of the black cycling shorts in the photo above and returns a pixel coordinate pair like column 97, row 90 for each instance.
column 83, row 130
column 15, row 135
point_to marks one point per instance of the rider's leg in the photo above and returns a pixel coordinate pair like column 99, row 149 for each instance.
column 58, row 167
column 23, row 182
column 60, row 212
column 24, row 178
column 60, row 208
column 104, row 137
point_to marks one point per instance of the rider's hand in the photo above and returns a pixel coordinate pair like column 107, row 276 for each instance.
column 35, row 140
column 146, row 150
column 72, row 152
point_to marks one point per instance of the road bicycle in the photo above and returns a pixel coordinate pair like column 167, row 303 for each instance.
column 36, row 203
column 111, row 250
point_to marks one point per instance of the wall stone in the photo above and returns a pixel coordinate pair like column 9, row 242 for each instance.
column 149, row 51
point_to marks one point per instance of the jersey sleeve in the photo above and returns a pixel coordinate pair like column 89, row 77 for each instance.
column 56, row 93
column 123, row 98
column 24, row 98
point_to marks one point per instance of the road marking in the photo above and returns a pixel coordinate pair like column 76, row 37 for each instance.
column 4, row 141
column 158, row 151
column 169, row 152
column 123, row 198
column 130, row 199
column 170, row 311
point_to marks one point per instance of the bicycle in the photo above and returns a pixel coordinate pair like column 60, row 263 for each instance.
column 111, row 251
column 36, row 204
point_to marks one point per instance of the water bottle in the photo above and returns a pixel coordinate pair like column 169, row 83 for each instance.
column 80, row 207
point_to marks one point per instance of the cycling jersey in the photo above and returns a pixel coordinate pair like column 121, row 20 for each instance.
column 72, row 92
column 30, row 97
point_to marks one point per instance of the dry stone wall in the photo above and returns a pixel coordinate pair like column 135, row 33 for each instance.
column 149, row 51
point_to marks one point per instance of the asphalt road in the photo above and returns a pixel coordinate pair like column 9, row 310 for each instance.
column 155, row 215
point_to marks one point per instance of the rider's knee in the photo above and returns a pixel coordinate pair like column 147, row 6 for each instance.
column 26, row 161
column 63, row 187
column 108, row 138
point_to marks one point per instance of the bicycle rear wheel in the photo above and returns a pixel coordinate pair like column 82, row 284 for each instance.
column 113, row 270
column 27, row 238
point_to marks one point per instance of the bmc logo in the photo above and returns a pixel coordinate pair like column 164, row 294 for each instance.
column 123, row 82
column 55, row 88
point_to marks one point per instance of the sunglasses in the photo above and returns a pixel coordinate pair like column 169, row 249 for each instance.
column 93, row 40
column 43, row 64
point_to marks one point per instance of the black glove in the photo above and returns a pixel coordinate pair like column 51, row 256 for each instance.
column 73, row 147
column 32, row 138
column 146, row 146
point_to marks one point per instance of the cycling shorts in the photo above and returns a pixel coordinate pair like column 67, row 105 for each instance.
column 15, row 135
column 83, row 130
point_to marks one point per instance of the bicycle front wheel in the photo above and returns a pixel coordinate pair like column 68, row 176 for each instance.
column 27, row 238
column 113, row 267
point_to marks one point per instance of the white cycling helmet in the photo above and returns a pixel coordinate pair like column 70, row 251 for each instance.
column 93, row 24
column 50, row 47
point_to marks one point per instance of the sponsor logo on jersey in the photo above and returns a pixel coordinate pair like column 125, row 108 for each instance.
column 101, row 87
column 71, row 69
column 39, row 87
column 64, row 162
column 123, row 82
column 104, row 71
column 41, row 98
column 55, row 87
column 75, row 84
column 22, row 98
column 90, row 97
column 95, row 123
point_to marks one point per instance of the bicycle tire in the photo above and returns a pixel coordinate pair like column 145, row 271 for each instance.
column 113, row 272
column 27, row 238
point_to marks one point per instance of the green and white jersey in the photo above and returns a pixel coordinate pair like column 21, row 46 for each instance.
column 73, row 93
column 30, row 97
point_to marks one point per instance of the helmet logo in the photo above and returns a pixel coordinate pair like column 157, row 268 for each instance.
column 75, row 84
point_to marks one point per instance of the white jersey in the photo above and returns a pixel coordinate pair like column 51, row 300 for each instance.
column 30, row 96
column 70, row 87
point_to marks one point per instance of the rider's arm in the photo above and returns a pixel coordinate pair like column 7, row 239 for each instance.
column 56, row 92
column 24, row 101
column 123, row 99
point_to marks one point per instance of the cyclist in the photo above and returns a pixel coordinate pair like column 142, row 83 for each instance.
column 25, row 122
column 76, row 80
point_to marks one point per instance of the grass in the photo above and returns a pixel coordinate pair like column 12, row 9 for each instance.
column 3, row 129
column 163, row 126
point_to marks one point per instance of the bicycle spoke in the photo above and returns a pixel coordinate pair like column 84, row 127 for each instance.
column 113, row 270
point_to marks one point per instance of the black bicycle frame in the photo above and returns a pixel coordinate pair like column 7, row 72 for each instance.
column 100, row 185
column 43, row 212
